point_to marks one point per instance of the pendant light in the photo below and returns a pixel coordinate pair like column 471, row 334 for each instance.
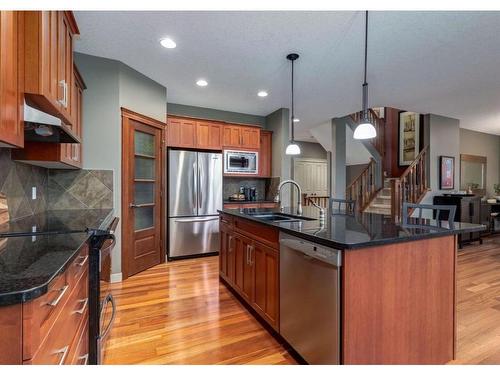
column 365, row 129
column 292, row 148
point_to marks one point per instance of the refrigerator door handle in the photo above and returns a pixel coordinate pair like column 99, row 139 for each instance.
column 200, row 196
column 195, row 183
column 196, row 220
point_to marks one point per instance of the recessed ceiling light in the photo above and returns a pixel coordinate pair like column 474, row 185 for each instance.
column 262, row 94
column 296, row 119
column 201, row 83
column 168, row 43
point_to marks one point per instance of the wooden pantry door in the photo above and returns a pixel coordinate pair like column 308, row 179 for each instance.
column 142, row 185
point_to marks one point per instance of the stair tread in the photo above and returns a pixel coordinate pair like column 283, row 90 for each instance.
column 380, row 205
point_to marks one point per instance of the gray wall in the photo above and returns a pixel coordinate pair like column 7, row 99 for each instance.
column 353, row 171
column 482, row 144
column 278, row 123
column 312, row 150
column 442, row 134
column 111, row 85
column 215, row 114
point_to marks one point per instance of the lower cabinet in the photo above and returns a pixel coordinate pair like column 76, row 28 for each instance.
column 251, row 268
column 53, row 328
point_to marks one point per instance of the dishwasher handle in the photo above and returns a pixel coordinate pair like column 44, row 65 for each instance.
column 312, row 250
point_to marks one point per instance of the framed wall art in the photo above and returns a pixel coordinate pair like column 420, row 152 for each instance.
column 409, row 137
column 446, row 172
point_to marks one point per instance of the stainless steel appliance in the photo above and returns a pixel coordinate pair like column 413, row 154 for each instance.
column 195, row 195
column 241, row 162
column 310, row 299
column 102, row 308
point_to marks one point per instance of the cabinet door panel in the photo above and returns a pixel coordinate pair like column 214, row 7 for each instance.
column 250, row 137
column 265, row 154
column 208, row 135
column 247, row 290
column 11, row 128
column 181, row 133
column 224, row 245
column 231, row 256
column 232, row 136
column 266, row 298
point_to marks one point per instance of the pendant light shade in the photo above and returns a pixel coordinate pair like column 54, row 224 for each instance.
column 292, row 148
column 365, row 129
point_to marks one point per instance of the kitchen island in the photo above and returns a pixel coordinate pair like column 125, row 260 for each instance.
column 392, row 298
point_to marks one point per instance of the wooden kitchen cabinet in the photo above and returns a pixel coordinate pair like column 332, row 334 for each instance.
column 181, row 132
column 59, row 155
column 265, row 261
column 53, row 328
column 46, row 40
column 208, row 135
column 237, row 136
column 11, row 126
column 265, row 153
column 250, row 265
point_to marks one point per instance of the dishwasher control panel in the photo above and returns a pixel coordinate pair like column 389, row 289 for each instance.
column 311, row 249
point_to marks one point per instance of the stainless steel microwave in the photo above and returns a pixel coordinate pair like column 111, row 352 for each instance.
column 241, row 162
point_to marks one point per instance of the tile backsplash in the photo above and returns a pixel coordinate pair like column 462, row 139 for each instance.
column 55, row 189
column 16, row 183
column 80, row 189
column 232, row 186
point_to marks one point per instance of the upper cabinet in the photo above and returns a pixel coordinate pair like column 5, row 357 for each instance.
column 11, row 127
column 46, row 38
column 265, row 154
column 191, row 133
column 59, row 155
column 181, row 132
column 237, row 136
column 209, row 135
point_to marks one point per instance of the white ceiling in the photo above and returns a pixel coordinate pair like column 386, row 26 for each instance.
column 446, row 63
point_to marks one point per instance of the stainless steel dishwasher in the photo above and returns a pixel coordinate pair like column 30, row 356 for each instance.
column 310, row 299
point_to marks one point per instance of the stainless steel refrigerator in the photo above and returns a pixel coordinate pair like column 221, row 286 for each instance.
column 195, row 195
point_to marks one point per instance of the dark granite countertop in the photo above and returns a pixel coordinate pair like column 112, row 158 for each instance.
column 28, row 263
column 57, row 222
column 342, row 231
column 249, row 202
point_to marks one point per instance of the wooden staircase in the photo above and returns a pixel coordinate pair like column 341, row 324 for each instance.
column 381, row 203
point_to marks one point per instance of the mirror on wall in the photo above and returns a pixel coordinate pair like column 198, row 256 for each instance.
column 473, row 173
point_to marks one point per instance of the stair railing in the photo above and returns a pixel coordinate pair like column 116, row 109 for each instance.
column 319, row 200
column 363, row 188
column 378, row 123
column 412, row 185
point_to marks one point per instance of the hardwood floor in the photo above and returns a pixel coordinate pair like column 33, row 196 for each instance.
column 179, row 313
column 478, row 304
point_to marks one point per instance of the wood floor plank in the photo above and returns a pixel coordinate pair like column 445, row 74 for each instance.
column 179, row 313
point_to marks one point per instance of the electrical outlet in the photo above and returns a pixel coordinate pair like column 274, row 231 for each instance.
column 33, row 192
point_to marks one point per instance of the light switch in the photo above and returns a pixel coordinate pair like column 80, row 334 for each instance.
column 33, row 192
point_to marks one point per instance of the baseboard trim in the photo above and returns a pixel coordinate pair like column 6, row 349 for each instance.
column 115, row 277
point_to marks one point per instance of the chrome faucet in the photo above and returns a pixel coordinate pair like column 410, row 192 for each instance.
column 321, row 211
column 299, row 201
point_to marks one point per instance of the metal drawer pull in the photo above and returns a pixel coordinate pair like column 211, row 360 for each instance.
column 59, row 297
column 64, row 352
column 85, row 359
column 82, row 263
column 85, row 302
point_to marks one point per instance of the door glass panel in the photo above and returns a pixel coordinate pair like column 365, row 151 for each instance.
column 144, row 168
column 144, row 144
column 144, row 217
column 144, row 192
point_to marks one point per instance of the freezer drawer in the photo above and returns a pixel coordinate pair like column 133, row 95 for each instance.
column 193, row 235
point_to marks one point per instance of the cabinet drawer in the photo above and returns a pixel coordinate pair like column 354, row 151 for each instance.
column 79, row 265
column 57, row 345
column 266, row 234
column 79, row 352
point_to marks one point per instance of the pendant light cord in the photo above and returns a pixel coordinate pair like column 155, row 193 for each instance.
column 293, row 113
column 365, row 84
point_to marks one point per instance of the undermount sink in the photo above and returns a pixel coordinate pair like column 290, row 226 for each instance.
column 280, row 217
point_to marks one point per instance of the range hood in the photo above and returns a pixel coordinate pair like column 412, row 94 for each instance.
column 40, row 126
